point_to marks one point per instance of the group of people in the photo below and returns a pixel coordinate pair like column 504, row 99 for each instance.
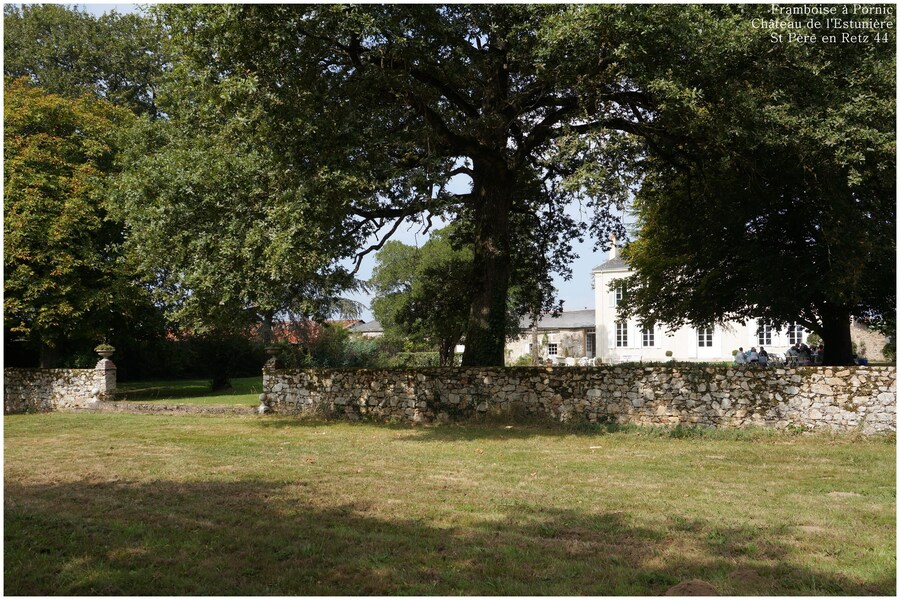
column 751, row 356
column 798, row 353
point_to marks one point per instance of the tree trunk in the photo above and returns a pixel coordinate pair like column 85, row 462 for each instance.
column 266, row 328
column 49, row 357
column 445, row 351
column 535, row 347
column 486, row 333
column 836, row 336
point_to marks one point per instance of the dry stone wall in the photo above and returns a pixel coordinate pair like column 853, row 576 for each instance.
column 845, row 398
column 42, row 390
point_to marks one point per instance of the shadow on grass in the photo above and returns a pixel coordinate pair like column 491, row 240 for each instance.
column 187, row 390
column 494, row 428
column 260, row 538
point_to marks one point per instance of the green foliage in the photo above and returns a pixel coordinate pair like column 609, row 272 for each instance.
column 890, row 350
column 68, row 51
column 523, row 100
column 769, row 191
column 522, row 361
column 65, row 275
column 331, row 346
column 413, row 360
column 422, row 294
column 216, row 230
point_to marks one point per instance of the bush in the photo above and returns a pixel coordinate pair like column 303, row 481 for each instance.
column 890, row 350
column 414, row 359
column 522, row 361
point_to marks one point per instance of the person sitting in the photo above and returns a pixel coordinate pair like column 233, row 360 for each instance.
column 740, row 358
column 753, row 356
column 792, row 355
column 763, row 356
column 820, row 354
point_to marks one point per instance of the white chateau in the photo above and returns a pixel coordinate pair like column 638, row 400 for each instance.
column 621, row 340
column 582, row 336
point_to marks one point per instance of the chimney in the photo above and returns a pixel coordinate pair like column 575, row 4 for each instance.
column 614, row 246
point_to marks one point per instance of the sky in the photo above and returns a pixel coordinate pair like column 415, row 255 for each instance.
column 577, row 293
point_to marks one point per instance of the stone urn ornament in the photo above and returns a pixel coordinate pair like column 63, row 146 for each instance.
column 273, row 351
column 104, row 350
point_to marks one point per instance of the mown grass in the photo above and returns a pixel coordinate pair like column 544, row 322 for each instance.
column 200, row 505
column 243, row 391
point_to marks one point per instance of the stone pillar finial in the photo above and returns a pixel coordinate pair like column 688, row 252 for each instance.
column 273, row 363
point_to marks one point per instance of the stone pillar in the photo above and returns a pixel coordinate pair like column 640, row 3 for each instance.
column 105, row 380
column 265, row 398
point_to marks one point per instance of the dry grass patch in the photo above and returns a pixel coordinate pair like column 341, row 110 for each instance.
column 160, row 505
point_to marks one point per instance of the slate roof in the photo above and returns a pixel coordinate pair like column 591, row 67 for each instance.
column 570, row 319
column 613, row 264
column 370, row 327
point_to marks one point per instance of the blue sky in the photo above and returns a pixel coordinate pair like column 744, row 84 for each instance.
column 99, row 9
column 576, row 293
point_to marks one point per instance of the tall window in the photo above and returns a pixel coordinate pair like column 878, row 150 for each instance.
column 589, row 344
column 617, row 292
column 795, row 334
column 647, row 338
column 621, row 334
column 764, row 335
column 704, row 337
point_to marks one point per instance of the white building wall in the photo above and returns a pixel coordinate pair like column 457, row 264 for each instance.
column 683, row 342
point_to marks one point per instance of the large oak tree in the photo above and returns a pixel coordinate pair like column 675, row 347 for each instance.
column 377, row 108
column 772, row 194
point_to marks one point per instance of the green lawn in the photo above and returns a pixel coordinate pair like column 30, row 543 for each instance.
column 244, row 391
column 122, row 504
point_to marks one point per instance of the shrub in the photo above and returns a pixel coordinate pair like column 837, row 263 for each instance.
column 522, row 361
column 415, row 359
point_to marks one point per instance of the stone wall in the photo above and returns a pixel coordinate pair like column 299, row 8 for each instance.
column 869, row 344
column 41, row 390
column 840, row 398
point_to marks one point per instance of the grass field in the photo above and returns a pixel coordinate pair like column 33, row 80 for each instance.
column 126, row 504
column 244, row 391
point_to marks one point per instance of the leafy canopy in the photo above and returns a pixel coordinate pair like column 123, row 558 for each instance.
column 377, row 108
column 772, row 193
column 70, row 52
column 64, row 272
column 225, row 241
column 423, row 293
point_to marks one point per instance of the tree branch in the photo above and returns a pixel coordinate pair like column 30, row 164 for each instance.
column 375, row 247
column 458, row 143
column 454, row 97
column 462, row 170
